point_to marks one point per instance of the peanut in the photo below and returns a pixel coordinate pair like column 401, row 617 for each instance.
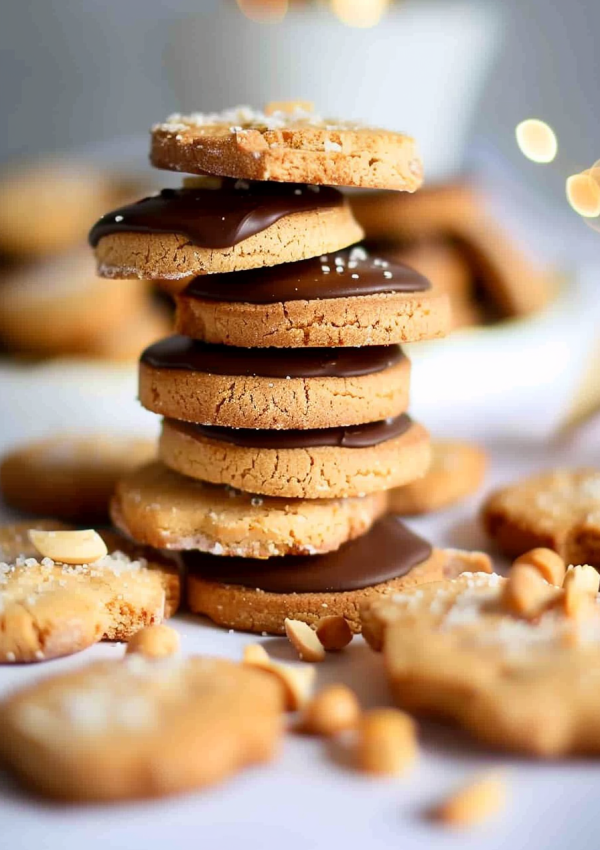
column 387, row 742
column 333, row 710
column 154, row 642
column 69, row 547
column 334, row 633
column 548, row 563
column 305, row 641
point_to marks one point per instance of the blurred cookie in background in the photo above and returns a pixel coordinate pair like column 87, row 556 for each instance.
column 59, row 307
column 47, row 205
column 448, row 234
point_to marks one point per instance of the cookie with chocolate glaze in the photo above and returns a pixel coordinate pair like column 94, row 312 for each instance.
column 324, row 463
column 349, row 298
column 301, row 388
column 235, row 225
column 287, row 142
column 258, row 596
column 158, row 507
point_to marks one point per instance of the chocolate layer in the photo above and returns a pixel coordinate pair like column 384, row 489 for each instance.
column 216, row 218
column 352, row 437
column 342, row 275
column 389, row 550
column 182, row 353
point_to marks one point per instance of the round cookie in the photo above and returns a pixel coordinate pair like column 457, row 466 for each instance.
column 156, row 506
column 349, row 298
column 61, row 307
column 556, row 510
column 259, row 596
column 116, row 730
column 45, row 206
column 49, row 609
column 287, row 143
column 197, row 230
column 457, row 470
column 127, row 339
column 193, row 381
column 321, row 464
column 70, row 476
column 518, row 681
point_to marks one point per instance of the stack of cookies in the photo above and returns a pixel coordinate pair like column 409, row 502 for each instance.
column 284, row 397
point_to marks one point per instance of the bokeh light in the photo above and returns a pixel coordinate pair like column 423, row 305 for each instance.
column 359, row 13
column 536, row 140
column 264, row 11
column 583, row 194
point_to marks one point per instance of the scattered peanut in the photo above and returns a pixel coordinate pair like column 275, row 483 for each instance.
column 306, row 642
column 154, row 642
column 334, row 633
column 289, row 106
column 526, row 593
column 69, row 547
column 297, row 682
column 333, row 710
column 480, row 799
column 387, row 742
column 581, row 585
column 548, row 563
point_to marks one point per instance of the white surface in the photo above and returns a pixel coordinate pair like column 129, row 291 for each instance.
column 308, row 799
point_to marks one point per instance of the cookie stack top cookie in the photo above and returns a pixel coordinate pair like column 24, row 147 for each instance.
column 286, row 381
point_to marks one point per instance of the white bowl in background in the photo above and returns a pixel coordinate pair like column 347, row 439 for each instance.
column 420, row 70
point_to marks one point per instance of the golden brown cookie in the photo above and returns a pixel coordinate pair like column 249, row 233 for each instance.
column 322, row 464
column 59, row 306
column 457, row 470
column 291, row 146
column 441, row 261
column 117, row 730
column 254, row 610
column 519, row 681
column 214, row 224
column 70, row 476
column 160, row 508
column 251, row 388
column 46, row 206
column 49, row 608
column 128, row 337
column 350, row 298
column 558, row 510
column 513, row 283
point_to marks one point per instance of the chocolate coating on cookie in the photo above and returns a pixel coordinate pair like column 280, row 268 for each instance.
column 184, row 354
column 352, row 437
column 216, row 218
column 345, row 274
column 387, row 551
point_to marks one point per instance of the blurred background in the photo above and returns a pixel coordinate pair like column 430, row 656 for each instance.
column 83, row 80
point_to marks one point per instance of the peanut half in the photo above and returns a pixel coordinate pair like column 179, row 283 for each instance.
column 154, row 642
column 69, row 547
column 334, row 632
column 305, row 641
column 387, row 743
column 475, row 802
column 331, row 711
column 548, row 563
column 297, row 682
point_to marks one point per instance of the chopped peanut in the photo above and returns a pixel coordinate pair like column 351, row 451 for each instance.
column 387, row 742
column 526, row 593
column 547, row 562
column 306, row 642
column 154, row 642
column 334, row 633
column 333, row 710
column 297, row 682
column 475, row 802
column 581, row 586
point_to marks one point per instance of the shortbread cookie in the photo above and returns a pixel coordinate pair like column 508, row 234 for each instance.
column 169, row 511
column 116, row 730
column 46, row 207
column 253, row 388
column 70, row 476
column 455, row 650
column 258, row 596
column 292, row 145
column 456, row 471
column 558, row 510
column 324, row 463
column 197, row 230
column 61, row 307
column 48, row 609
column 349, row 298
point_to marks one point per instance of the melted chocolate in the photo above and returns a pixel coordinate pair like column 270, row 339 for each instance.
column 342, row 275
column 180, row 352
column 389, row 550
column 352, row 437
column 216, row 218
